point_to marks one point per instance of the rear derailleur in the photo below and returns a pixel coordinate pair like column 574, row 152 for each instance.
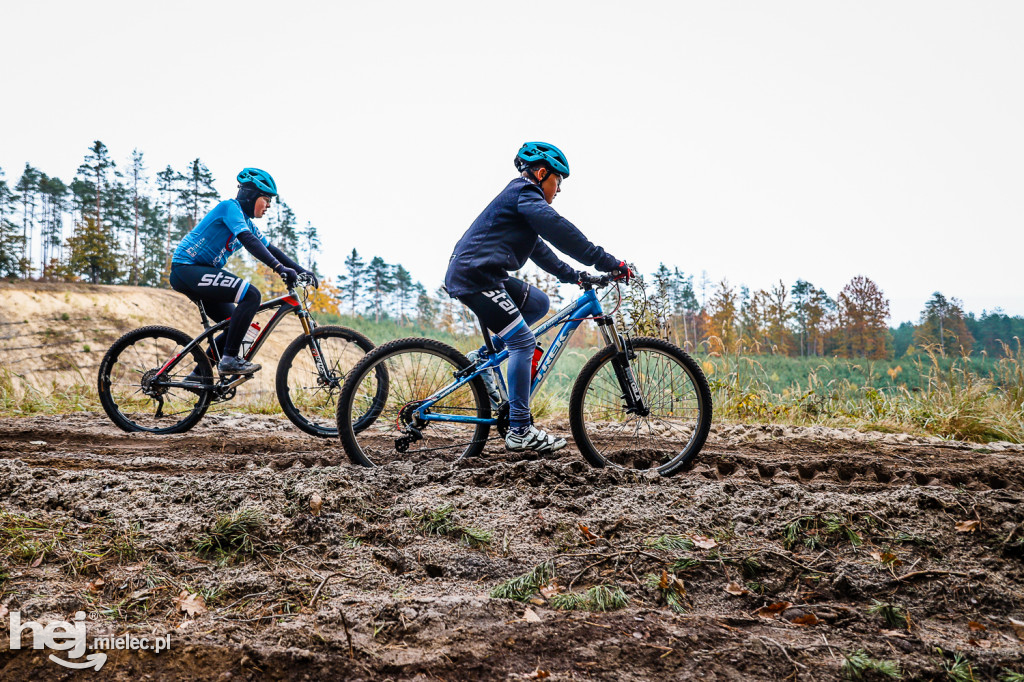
column 411, row 426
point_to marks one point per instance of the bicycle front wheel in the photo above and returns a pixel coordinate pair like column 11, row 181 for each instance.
column 307, row 396
column 387, row 386
column 678, row 403
column 135, row 393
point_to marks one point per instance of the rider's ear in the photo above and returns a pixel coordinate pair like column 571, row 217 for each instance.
column 540, row 173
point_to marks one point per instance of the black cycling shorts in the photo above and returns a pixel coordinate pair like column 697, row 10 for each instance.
column 503, row 309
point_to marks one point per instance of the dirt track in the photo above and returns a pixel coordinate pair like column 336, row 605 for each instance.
column 392, row 601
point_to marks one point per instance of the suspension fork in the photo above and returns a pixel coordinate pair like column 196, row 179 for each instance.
column 314, row 345
column 635, row 403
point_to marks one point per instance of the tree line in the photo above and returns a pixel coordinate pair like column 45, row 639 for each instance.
column 117, row 224
column 804, row 320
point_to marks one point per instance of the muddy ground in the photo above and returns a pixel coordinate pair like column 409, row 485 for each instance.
column 818, row 525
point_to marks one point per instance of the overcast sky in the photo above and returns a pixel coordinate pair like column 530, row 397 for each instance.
column 751, row 140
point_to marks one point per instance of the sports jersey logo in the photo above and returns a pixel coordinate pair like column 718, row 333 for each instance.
column 219, row 280
column 500, row 296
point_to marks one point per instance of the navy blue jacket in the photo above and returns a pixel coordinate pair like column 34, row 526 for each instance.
column 511, row 230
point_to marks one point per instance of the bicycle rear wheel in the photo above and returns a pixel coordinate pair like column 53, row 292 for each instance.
column 675, row 392
column 133, row 391
column 413, row 369
column 308, row 399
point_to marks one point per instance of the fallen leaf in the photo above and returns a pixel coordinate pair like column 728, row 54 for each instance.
column 39, row 560
column 530, row 616
column 736, row 589
column 538, row 674
column 976, row 626
column 3, row 610
column 772, row 610
column 982, row 643
column 664, row 582
column 192, row 604
column 967, row 526
column 704, row 542
column 876, row 555
column 315, row 502
column 806, row 619
column 37, row 442
column 95, row 586
column 537, row 601
column 551, row 589
column 1018, row 628
column 587, row 535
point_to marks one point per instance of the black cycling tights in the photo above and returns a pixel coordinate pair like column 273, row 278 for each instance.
column 223, row 295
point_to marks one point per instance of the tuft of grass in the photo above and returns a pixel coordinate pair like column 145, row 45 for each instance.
column 894, row 615
column 819, row 531
column 670, row 588
column 597, row 598
column 443, row 521
column 236, row 534
column 858, row 666
column 959, row 669
column 1011, row 676
column 670, row 543
column 522, row 587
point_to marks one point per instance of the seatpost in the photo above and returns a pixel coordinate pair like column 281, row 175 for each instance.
column 202, row 315
column 487, row 338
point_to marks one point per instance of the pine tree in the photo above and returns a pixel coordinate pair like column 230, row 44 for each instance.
column 426, row 306
column 28, row 187
column 53, row 193
column 381, row 283
column 404, row 291
column 136, row 185
column 93, row 253
column 10, row 241
column 310, row 245
column 942, row 324
column 351, row 283
column 196, row 192
column 167, row 184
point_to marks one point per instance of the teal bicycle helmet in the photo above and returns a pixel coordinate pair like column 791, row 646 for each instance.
column 260, row 178
column 542, row 154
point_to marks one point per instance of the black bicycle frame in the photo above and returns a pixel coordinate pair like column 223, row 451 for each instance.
column 287, row 303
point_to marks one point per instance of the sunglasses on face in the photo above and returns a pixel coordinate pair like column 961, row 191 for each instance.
column 268, row 199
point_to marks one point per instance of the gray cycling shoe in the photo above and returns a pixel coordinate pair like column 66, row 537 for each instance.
column 236, row 365
column 534, row 439
column 489, row 383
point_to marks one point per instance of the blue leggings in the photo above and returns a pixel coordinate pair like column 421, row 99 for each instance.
column 509, row 311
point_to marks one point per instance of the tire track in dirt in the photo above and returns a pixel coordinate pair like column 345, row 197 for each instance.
column 414, row 603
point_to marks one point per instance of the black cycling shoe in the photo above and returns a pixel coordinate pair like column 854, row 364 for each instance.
column 235, row 365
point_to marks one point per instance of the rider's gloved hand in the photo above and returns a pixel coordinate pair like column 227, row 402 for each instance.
column 289, row 276
column 312, row 277
column 624, row 271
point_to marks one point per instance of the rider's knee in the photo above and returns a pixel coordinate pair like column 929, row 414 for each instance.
column 252, row 296
column 536, row 305
column 521, row 338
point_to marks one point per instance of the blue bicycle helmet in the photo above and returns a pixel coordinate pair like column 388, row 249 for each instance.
column 542, row 154
column 260, row 178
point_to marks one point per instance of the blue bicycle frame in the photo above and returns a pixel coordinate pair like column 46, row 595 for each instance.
column 570, row 317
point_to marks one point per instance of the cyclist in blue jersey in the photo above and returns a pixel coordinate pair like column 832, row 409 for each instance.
column 515, row 227
column 197, row 269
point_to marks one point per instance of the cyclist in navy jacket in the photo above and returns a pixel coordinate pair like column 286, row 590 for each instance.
column 197, row 269
column 513, row 228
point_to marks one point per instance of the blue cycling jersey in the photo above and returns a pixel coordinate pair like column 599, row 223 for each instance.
column 215, row 238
